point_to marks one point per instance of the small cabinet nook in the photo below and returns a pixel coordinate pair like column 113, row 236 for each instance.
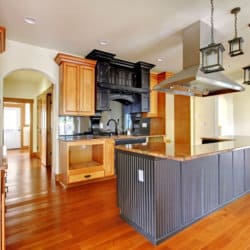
column 77, row 85
column 85, row 160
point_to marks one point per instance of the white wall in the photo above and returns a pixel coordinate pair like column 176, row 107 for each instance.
column 242, row 112
column 225, row 115
column 24, row 56
column 203, row 118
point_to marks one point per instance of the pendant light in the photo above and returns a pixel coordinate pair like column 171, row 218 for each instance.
column 246, row 75
column 212, row 55
column 235, row 45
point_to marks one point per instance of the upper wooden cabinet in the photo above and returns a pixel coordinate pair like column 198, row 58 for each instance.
column 2, row 39
column 77, row 85
column 153, row 104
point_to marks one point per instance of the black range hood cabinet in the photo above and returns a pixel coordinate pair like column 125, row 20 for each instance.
column 191, row 81
column 122, row 81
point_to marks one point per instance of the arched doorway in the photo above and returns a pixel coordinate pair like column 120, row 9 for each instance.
column 20, row 88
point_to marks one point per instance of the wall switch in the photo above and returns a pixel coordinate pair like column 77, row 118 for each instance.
column 140, row 175
column 144, row 125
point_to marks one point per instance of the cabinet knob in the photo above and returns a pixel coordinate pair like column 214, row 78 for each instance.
column 87, row 176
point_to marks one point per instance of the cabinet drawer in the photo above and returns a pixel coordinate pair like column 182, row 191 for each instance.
column 85, row 176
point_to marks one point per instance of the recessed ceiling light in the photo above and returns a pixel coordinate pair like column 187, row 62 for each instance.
column 160, row 59
column 30, row 20
column 103, row 42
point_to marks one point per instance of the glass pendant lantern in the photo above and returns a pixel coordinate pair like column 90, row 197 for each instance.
column 212, row 55
column 246, row 75
column 235, row 45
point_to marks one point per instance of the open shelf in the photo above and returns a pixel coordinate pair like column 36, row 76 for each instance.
column 86, row 167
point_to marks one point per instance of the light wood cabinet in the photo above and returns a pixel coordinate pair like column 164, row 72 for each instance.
column 2, row 39
column 157, row 105
column 2, row 206
column 86, row 160
column 153, row 98
column 77, row 85
column 109, row 157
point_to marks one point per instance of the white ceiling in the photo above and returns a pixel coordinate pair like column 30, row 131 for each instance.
column 138, row 30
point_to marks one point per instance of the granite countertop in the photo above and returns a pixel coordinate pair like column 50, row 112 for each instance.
column 89, row 137
column 182, row 152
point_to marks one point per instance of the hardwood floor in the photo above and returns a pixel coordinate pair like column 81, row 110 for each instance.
column 42, row 215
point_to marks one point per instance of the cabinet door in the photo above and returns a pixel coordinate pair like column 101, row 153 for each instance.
column 109, row 157
column 191, row 190
column 102, row 99
column 200, row 187
column 86, row 90
column 144, row 102
column 69, row 88
column 153, row 98
column 247, row 169
column 238, row 172
column 226, row 177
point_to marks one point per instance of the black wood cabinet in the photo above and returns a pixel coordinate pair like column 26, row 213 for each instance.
column 102, row 99
column 120, row 76
column 199, row 187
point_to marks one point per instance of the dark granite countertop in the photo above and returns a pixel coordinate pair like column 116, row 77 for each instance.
column 182, row 152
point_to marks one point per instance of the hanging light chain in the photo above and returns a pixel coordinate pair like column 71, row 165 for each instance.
column 212, row 21
column 235, row 25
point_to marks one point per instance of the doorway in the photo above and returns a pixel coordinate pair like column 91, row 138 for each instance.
column 12, row 127
column 18, row 124
column 44, row 126
column 23, row 88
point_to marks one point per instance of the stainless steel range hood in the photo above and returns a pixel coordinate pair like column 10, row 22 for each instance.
column 191, row 81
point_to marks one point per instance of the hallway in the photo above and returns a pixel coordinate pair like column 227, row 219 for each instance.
column 42, row 215
column 27, row 178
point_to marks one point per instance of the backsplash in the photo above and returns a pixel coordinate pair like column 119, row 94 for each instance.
column 79, row 125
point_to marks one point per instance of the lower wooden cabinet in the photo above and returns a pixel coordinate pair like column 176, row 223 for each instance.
column 85, row 160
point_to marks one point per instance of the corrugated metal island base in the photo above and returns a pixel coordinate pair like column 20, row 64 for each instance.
column 160, row 196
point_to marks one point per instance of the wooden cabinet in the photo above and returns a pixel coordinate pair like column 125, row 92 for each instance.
column 200, row 187
column 86, row 160
column 77, row 85
column 157, row 99
column 109, row 157
column 102, row 99
column 2, row 206
column 238, row 172
column 153, row 99
column 2, row 39
column 226, row 177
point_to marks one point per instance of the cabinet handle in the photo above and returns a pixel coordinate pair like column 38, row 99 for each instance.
column 87, row 176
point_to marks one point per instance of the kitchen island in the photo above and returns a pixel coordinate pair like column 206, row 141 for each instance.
column 165, row 187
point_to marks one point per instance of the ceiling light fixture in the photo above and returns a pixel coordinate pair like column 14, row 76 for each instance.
column 212, row 55
column 235, row 45
column 246, row 75
column 160, row 59
column 30, row 20
column 103, row 42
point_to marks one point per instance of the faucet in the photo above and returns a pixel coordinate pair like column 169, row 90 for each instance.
column 116, row 125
